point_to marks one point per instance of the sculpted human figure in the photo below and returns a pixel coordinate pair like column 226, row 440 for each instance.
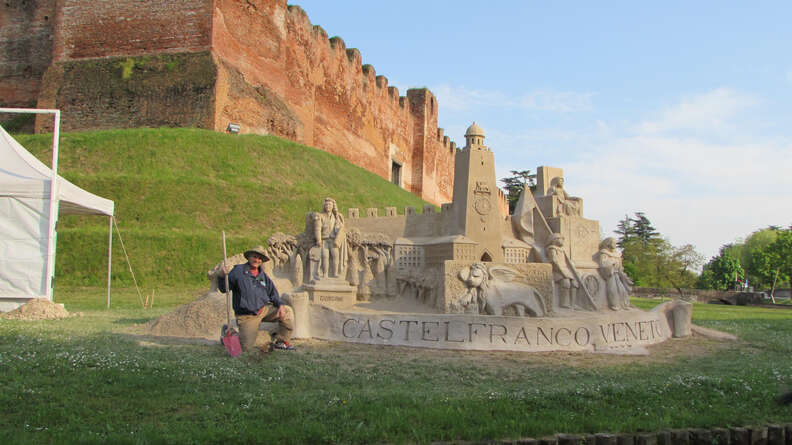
column 329, row 237
column 617, row 283
column 380, row 256
column 567, row 205
column 354, row 248
column 565, row 283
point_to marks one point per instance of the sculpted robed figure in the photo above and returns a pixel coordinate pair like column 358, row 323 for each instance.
column 329, row 236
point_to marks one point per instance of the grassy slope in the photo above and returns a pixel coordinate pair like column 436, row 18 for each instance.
column 176, row 189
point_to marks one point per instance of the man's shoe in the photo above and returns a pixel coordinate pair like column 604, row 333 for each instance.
column 283, row 345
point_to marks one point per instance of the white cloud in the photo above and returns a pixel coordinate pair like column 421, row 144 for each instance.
column 697, row 187
column 457, row 98
column 704, row 112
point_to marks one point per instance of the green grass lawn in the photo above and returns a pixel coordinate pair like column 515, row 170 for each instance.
column 85, row 379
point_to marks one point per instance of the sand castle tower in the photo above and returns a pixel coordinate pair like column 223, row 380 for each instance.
column 475, row 200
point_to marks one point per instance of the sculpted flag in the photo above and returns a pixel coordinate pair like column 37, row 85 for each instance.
column 522, row 219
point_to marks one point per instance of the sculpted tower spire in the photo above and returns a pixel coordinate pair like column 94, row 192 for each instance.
column 476, row 196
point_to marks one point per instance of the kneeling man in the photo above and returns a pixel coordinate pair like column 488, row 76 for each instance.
column 255, row 299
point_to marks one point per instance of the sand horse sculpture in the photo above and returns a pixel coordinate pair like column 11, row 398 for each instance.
column 470, row 276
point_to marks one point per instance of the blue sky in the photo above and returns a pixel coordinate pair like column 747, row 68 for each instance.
column 682, row 110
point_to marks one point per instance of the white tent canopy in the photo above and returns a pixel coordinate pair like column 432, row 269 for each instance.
column 27, row 217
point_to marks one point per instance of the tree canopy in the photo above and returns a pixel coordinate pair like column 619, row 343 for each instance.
column 764, row 259
column 650, row 260
column 516, row 183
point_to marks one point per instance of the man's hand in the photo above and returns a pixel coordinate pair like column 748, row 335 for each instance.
column 225, row 269
column 281, row 312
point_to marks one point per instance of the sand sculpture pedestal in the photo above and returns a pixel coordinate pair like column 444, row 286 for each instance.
column 331, row 292
column 617, row 332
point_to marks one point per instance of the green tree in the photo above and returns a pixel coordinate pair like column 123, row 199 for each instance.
column 660, row 264
column 625, row 231
column 643, row 229
column 722, row 271
column 756, row 258
column 780, row 252
column 516, row 183
column 679, row 265
column 651, row 260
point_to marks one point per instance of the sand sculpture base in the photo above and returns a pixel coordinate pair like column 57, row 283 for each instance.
column 332, row 292
column 615, row 332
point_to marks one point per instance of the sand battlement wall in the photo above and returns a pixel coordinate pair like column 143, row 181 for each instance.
column 270, row 71
column 411, row 223
column 427, row 223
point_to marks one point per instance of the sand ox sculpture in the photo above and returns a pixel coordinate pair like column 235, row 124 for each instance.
column 469, row 276
column 494, row 290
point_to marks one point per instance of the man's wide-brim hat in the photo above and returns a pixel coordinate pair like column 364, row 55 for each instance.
column 258, row 250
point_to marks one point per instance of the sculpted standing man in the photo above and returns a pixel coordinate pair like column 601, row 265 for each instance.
column 565, row 282
column 255, row 299
column 329, row 236
column 617, row 283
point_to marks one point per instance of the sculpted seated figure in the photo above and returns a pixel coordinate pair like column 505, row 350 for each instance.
column 566, row 205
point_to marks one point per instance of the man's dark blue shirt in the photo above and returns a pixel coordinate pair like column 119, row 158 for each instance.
column 250, row 293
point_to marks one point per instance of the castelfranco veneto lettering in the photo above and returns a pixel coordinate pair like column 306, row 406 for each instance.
column 454, row 332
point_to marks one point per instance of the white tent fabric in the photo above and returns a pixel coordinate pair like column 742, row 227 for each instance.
column 24, row 218
column 22, row 175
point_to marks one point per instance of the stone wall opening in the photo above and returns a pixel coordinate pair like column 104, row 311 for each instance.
column 396, row 173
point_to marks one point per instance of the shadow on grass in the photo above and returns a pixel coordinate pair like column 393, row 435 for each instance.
column 133, row 321
column 148, row 340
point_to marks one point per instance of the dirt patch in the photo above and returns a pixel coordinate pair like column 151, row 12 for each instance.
column 201, row 318
column 38, row 309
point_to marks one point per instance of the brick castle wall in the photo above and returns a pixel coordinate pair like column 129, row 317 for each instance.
column 282, row 75
column 129, row 63
column 95, row 29
column 26, row 43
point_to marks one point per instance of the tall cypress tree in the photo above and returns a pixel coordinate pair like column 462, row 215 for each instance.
column 625, row 231
column 643, row 229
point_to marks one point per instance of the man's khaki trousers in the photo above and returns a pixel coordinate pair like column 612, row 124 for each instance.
column 249, row 325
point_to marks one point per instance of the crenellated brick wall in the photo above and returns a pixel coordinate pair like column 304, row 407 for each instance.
column 273, row 72
column 316, row 91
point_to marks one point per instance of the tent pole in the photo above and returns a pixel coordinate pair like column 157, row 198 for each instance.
column 109, row 257
column 53, row 211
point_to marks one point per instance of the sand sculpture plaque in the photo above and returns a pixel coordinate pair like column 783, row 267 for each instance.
column 469, row 276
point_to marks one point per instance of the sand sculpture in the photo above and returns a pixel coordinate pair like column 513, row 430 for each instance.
column 469, row 276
